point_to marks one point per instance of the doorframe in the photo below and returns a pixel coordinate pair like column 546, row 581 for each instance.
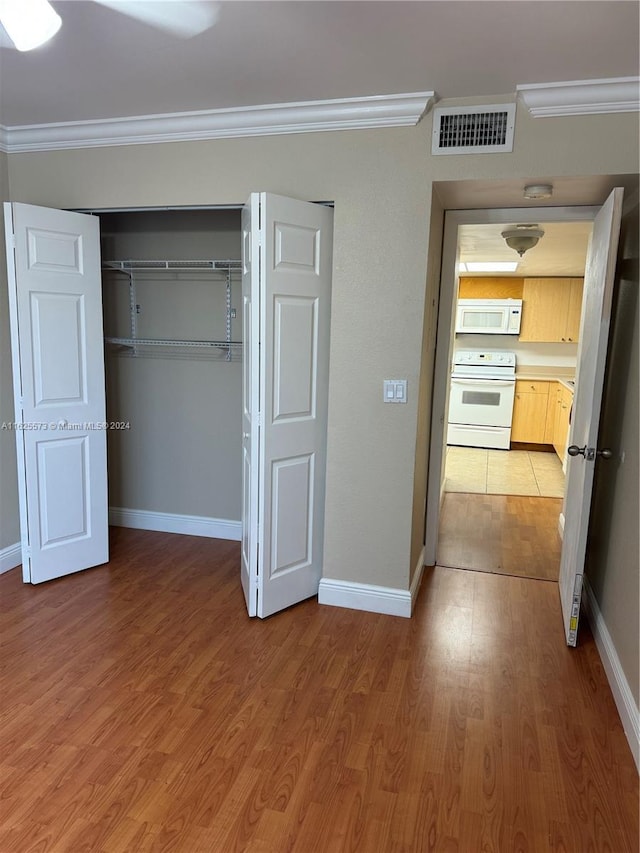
column 453, row 219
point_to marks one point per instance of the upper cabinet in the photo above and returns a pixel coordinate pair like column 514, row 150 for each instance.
column 575, row 309
column 490, row 287
column 551, row 309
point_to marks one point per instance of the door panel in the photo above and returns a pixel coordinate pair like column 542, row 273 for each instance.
column 63, row 464
column 56, row 329
column 58, row 325
column 294, row 276
column 295, row 344
column 592, row 353
column 292, row 487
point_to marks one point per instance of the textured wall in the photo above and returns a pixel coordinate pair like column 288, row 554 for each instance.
column 9, row 519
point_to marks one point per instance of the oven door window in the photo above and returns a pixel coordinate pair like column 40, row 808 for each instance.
column 481, row 398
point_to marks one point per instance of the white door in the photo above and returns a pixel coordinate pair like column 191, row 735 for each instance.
column 55, row 302
column 285, row 398
column 250, row 401
column 583, row 433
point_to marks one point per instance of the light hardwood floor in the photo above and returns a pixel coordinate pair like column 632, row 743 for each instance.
column 508, row 534
column 142, row 710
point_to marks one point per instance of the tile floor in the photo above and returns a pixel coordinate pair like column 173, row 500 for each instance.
column 503, row 472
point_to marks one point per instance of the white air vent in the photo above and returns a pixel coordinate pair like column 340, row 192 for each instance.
column 473, row 130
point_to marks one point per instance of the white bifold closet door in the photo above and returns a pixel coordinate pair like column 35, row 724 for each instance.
column 287, row 257
column 55, row 301
column 58, row 362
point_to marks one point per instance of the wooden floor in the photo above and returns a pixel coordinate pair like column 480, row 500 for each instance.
column 142, row 710
column 508, row 534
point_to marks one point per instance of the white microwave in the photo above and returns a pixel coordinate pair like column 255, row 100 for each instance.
column 488, row 316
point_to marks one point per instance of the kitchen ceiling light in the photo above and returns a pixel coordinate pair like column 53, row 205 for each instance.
column 492, row 266
column 534, row 191
column 521, row 238
column 29, row 23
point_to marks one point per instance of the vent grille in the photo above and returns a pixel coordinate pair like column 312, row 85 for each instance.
column 472, row 130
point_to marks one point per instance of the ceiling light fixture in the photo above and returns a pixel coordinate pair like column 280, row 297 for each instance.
column 492, row 266
column 29, row 23
column 521, row 238
column 535, row 191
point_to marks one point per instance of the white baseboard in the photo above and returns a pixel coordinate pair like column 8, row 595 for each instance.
column 166, row 522
column 417, row 579
column 10, row 557
column 625, row 703
column 364, row 596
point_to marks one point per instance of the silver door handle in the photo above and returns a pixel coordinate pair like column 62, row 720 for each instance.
column 574, row 450
column 589, row 452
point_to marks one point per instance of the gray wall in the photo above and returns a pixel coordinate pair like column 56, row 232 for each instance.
column 182, row 451
column 612, row 549
column 9, row 519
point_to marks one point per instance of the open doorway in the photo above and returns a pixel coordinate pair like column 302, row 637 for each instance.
column 502, row 487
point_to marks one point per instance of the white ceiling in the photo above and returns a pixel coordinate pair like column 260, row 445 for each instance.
column 105, row 65
column 560, row 252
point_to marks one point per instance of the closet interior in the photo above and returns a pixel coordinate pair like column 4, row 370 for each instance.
column 173, row 354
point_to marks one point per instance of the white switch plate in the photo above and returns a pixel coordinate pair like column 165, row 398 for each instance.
column 394, row 390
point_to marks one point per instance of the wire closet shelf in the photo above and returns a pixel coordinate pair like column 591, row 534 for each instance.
column 152, row 347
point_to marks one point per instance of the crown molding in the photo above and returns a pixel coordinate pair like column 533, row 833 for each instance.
column 304, row 117
column 582, row 97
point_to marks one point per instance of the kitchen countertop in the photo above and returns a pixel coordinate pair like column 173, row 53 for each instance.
column 563, row 375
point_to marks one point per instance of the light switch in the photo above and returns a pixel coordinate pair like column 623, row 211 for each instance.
column 395, row 390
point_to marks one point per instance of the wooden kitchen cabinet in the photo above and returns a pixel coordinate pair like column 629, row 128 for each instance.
column 530, row 408
column 574, row 313
column 490, row 287
column 551, row 309
column 552, row 406
column 564, row 402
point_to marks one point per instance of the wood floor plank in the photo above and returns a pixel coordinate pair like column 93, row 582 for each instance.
column 142, row 711
column 505, row 534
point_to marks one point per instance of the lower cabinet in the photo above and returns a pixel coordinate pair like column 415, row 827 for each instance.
column 541, row 413
column 564, row 402
column 530, row 408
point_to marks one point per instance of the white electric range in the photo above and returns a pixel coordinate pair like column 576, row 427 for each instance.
column 481, row 399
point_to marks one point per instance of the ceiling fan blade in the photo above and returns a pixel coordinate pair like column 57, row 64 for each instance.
column 5, row 41
column 184, row 19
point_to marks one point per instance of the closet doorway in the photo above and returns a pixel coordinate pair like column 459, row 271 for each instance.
column 172, row 297
column 213, row 433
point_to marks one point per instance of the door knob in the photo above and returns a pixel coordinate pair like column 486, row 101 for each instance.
column 589, row 452
column 574, row 450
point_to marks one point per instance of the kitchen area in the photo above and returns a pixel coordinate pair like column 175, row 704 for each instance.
column 514, row 355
